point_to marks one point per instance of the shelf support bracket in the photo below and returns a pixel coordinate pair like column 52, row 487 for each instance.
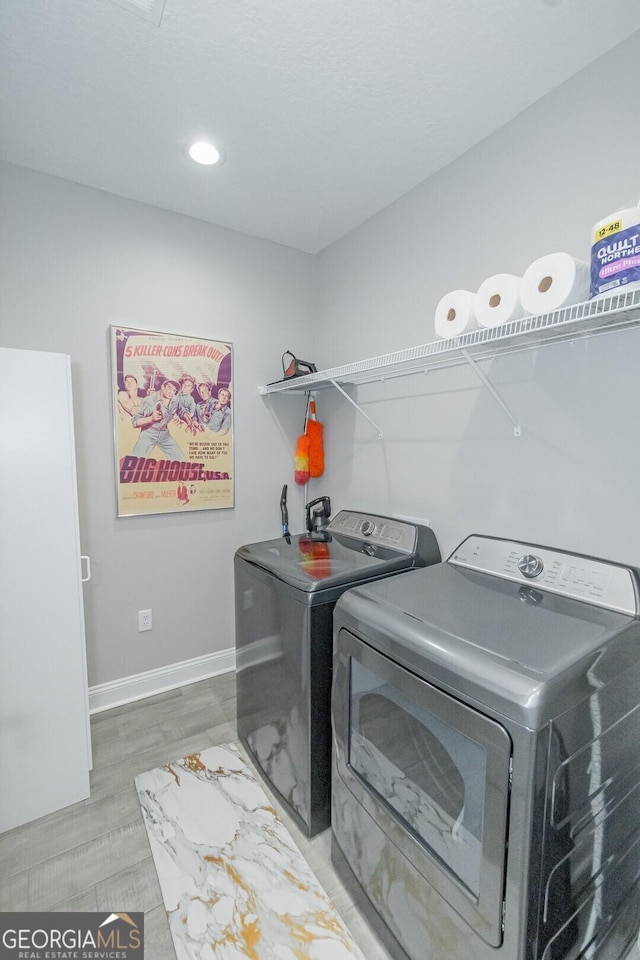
column 492, row 390
column 359, row 409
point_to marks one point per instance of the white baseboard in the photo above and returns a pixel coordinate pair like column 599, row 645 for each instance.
column 106, row 695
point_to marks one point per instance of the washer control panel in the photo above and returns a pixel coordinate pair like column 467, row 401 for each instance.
column 582, row 578
column 369, row 528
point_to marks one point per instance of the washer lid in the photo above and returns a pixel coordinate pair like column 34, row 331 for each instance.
column 312, row 565
column 510, row 646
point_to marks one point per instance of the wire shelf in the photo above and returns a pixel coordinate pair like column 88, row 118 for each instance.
column 601, row 315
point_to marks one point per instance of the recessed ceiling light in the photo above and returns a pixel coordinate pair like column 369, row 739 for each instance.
column 203, row 152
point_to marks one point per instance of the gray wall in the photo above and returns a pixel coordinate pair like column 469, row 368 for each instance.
column 75, row 260
column 448, row 454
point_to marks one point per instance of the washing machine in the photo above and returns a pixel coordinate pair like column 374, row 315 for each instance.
column 486, row 731
column 285, row 592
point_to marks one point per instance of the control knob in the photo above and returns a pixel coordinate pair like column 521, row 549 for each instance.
column 530, row 566
column 367, row 528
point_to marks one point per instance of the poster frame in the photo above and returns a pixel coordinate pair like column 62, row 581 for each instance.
column 174, row 357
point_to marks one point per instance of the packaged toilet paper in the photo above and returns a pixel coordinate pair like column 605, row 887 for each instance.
column 615, row 254
column 455, row 314
column 553, row 281
column 498, row 300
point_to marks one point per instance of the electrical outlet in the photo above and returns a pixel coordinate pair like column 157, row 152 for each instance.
column 145, row 621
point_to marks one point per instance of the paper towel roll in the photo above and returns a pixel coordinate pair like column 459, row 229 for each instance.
column 555, row 281
column 455, row 314
column 498, row 300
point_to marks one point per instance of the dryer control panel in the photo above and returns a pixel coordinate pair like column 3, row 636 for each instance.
column 572, row 575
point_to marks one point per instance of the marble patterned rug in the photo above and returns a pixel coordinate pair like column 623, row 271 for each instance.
column 234, row 883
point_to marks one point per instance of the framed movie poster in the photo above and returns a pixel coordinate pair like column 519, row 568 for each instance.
column 173, row 422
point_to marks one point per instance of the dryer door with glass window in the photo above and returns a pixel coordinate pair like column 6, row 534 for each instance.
column 432, row 772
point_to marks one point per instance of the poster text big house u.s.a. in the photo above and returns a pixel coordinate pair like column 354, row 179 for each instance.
column 173, row 417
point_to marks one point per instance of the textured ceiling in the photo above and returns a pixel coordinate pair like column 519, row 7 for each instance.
column 326, row 111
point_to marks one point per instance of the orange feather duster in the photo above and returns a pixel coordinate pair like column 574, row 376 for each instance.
column 316, row 449
column 301, row 463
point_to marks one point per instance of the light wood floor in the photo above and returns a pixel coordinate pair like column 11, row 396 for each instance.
column 95, row 856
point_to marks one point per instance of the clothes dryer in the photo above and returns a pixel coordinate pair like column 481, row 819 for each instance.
column 486, row 781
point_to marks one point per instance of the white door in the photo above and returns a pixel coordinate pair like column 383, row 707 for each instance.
column 45, row 747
